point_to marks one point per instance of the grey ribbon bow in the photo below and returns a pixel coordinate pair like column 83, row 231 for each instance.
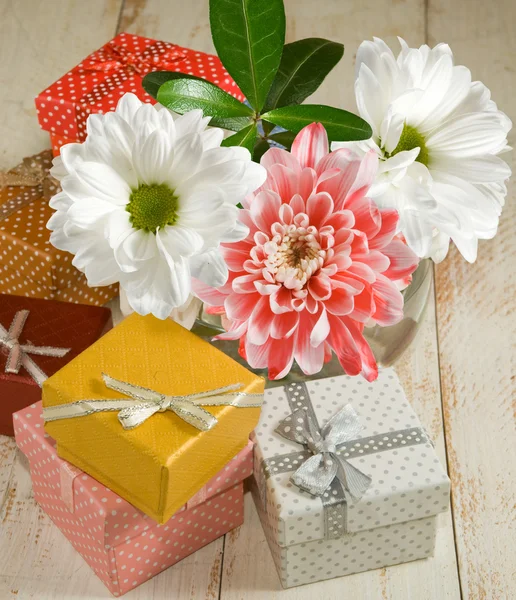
column 142, row 403
column 317, row 473
column 18, row 353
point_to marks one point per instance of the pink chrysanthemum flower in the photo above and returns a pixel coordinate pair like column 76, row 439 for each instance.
column 320, row 261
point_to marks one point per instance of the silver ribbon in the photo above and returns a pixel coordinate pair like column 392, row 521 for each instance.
column 322, row 466
column 316, row 474
column 17, row 356
column 142, row 403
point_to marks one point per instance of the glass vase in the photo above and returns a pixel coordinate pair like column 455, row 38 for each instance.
column 387, row 343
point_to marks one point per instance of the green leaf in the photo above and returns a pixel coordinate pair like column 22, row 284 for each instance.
column 341, row 125
column 184, row 94
column 285, row 138
column 153, row 81
column 249, row 37
column 260, row 149
column 245, row 137
column 303, row 67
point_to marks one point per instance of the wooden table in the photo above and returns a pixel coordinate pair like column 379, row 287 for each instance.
column 459, row 375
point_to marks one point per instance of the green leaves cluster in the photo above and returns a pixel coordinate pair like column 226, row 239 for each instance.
column 249, row 36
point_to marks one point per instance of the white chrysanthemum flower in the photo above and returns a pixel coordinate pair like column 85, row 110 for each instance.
column 438, row 135
column 146, row 201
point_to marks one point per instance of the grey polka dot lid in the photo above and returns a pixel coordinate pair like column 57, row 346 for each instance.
column 408, row 481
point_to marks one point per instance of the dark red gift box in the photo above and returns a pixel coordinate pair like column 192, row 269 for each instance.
column 49, row 323
column 98, row 82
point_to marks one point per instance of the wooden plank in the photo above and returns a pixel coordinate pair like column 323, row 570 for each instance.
column 248, row 570
column 477, row 329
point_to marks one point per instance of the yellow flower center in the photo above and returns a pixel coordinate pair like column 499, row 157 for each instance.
column 152, row 206
column 411, row 138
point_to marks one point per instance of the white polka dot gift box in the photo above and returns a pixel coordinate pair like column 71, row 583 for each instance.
column 121, row 544
column 29, row 264
column 346, row 478
column 100, row 80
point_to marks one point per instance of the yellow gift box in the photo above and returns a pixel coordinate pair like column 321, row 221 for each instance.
column 161, row 463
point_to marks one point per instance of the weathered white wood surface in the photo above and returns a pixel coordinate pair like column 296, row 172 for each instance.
column 470, row 342
column 476, row 321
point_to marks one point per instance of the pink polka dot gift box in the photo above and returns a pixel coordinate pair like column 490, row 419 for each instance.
column 101, row 79
column 122, row 545
column 346, row 478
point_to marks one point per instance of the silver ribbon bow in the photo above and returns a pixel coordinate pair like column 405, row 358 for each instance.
column 316, row 474
column 142, row 403
column 18, row 353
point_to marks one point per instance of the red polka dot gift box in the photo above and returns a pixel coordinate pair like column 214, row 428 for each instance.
column 121, row 544
column 37, row 338
column 98, row 82
column 29, row 264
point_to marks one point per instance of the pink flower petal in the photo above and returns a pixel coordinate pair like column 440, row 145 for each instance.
column 367, row 216
column 260, row 322
column 235, row 256
column 403, row 261
column 256, row 356
column 364, row 178
column 343, row 344
column 245, row 284
column 319, row 287
column 284, row 325
column 341, row 300
column 369, row 366
column 281, row 301
column 321, row 330
column 310, row 145
column 264, row 210
column 388, row 301
column 309, row 358
column 280, row 357
column 240, row 306
column 210, row 295
column 276, row 156
column 318, row 208
column 387, row 229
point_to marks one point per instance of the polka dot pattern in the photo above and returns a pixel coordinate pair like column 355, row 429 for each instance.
column 96, row 84
column 317, row 560
column 408, row 483
column 30, row 265
column 122, row 545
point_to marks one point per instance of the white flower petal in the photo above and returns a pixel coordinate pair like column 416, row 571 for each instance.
column 176, row 241
column 210, row 268
column 153, row 160
column 94, row 180
column 468, row 135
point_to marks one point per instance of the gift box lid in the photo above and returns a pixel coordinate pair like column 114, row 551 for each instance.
column 49, row 324
column 24, row 239
column 160, row 463
column 98, row 82
column 407, row 481
column 111, row 520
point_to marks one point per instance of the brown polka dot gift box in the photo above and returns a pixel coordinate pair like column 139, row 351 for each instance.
column 100, row 80
column 346, row 479
column 37, row 338
column 122, row 545
column 29, row 264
